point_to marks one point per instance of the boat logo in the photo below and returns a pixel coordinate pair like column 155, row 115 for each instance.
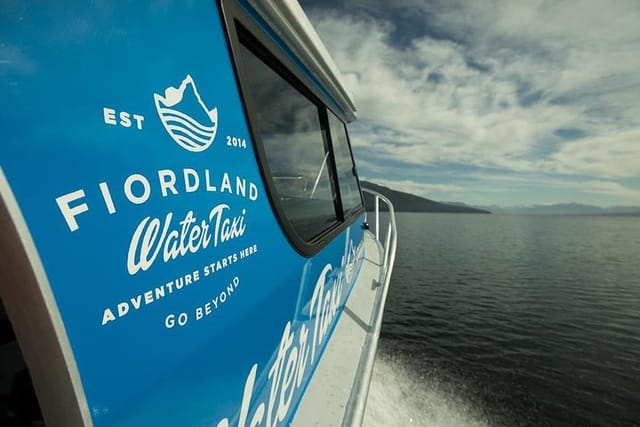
column 194, row 132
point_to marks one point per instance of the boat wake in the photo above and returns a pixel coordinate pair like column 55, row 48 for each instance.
column 399, row 397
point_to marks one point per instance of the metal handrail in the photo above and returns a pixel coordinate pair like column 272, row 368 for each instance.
column 389, row 246
column 354, row 412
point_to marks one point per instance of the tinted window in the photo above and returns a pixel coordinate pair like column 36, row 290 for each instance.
column 349, row 191
column 298, row 160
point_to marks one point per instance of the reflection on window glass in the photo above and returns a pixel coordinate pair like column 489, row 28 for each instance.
column 349, row 192
column 289, row 126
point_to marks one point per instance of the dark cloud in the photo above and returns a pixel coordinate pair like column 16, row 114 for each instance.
column 570, row 133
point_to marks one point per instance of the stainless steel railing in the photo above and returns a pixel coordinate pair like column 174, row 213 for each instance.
column 354, row 412
column 391, row 239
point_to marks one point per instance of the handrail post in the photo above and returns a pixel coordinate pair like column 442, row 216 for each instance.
column 386, row 248
column 377, row 210
column 391, row 232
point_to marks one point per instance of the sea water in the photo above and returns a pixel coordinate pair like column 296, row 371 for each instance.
column 399, row 397
column 511, row 320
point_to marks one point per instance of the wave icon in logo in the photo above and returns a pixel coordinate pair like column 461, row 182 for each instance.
column 194, row 131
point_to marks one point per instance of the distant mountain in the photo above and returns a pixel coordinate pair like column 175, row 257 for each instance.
column 564, row 209
column 405, row 202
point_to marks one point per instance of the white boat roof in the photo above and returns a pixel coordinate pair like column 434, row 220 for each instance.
column 289, row 21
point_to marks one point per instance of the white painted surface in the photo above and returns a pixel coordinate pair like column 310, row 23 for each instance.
column 326, row 398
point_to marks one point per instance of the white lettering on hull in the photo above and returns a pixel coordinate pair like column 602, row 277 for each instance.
column 153, row 236
column 285, row 377
column 137, row 189
column 295, row 353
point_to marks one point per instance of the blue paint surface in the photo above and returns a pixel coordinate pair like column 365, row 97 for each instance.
column 67, row 73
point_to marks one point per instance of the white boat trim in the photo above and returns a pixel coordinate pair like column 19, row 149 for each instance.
column 289, row 21
column 36, row 319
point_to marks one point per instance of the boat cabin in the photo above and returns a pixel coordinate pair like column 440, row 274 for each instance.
column 183, row 237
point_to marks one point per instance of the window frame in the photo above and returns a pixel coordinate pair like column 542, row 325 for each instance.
column 354, row 168
column 242, row 29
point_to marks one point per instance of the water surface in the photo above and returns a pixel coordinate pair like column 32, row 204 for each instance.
column 511, row 320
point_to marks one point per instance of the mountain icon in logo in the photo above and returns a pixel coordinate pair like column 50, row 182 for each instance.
column 185, row 117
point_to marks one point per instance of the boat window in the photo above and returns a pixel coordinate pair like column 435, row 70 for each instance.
column 345, row 167
column 298, row 158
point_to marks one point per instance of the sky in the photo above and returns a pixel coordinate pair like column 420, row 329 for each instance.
column 492, row 102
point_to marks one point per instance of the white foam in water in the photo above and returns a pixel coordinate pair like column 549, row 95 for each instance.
column 397, row 397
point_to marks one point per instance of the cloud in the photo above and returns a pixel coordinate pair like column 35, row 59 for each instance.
column 464, row 116
column 610, row 188
column 581, row 189
column 519, row 87
column 611, row 156
column 419, row 188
